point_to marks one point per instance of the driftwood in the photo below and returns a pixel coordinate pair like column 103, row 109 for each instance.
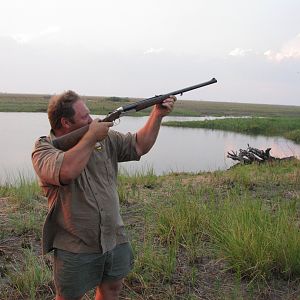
column 251, row 155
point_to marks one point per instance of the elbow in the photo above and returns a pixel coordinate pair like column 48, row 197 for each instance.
column 144, row 143
column 65, row 177
column 141, row 150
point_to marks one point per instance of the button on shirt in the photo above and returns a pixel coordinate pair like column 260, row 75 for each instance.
column 84, row 216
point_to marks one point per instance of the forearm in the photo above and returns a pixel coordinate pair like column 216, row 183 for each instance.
column 147, row 135
column 75, row 159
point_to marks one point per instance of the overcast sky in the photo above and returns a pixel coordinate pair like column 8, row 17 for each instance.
column 139, row 48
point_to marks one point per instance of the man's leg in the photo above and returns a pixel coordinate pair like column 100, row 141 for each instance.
column 75, row 274
column 64, row 298
column 119, row 263
column 109, row 290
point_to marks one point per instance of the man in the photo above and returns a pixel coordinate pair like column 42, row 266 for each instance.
column 83, row 225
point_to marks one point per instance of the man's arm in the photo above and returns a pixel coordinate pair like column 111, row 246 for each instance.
column 76, row 158
column 147, row 135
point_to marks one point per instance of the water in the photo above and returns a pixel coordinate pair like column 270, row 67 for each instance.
column 176, row 149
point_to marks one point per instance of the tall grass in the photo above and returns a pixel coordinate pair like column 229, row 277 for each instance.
column 32, row 278
column 22, row 189
column 293, row 135
column 255, row 241
column 27, row 208
column 183, row 223
column 129, row 184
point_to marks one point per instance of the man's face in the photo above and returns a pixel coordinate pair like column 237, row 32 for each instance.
column 82, row 115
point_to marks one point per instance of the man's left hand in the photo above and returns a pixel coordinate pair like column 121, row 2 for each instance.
column 166, row 106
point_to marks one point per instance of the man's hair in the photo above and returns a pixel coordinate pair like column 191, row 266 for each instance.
column 61, row 106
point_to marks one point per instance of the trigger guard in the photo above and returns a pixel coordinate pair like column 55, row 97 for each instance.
column 116, row 122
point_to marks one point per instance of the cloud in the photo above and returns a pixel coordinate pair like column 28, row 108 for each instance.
column 240, row 52
column 290, row 50
column 24, row 38
column 154, row 51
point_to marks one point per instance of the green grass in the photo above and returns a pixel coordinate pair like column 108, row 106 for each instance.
column 27, row 207
column 32, row 277
column 103, row 105
column 293, row 135
column 222, row 235
column 23, row 103
column 23, row 190
column 255, row 241
column 129, row 183
column 279, row 126
column 183, row 223
column 236, row 221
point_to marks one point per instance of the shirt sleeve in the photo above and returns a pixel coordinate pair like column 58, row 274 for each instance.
column 125, row 145
column 47, row 161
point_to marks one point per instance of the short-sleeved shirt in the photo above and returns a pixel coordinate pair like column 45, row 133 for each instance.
column 84, row 216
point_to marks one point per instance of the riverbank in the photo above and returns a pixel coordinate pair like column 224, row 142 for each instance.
column 219, row 235
column 104, row 105
column 276, row 126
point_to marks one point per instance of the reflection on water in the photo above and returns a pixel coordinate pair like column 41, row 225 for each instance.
column 177, row 149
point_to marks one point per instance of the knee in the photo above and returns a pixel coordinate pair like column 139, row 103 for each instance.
column 115, row 286
column 111, row 290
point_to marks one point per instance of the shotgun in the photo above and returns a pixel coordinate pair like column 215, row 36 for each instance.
column 69, row 140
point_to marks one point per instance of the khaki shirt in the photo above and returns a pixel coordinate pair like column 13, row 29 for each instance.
column 84, row 216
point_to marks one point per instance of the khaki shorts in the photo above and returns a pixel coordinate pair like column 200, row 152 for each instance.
column 77, row 273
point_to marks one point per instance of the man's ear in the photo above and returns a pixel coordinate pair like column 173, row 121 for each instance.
column 66, row 123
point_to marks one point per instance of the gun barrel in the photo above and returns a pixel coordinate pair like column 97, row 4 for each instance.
column 142, row 104
column 193, row 87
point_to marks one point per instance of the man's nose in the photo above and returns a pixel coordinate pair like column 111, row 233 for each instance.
column 90, row 119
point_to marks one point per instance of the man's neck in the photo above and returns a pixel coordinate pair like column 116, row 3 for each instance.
column 59, row 132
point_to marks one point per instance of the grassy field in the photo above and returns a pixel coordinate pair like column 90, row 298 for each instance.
column 223, row 235
column 103, row 105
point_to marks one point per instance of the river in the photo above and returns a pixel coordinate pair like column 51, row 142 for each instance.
column 176, row 149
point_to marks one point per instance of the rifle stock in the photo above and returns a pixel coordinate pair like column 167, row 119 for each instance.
column 69, row 140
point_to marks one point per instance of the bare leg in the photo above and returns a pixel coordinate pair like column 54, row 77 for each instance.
column 109, row 290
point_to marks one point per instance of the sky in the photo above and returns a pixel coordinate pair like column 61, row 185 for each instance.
column 141, row 48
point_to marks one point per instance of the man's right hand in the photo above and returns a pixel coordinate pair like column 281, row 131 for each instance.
column 98, row 130
column 76, row 158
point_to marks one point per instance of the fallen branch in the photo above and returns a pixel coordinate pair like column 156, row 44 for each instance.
column 251, row 155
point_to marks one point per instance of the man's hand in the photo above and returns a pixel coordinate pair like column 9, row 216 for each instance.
column 165, row 107
column 98, row 130
column 76, row 158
